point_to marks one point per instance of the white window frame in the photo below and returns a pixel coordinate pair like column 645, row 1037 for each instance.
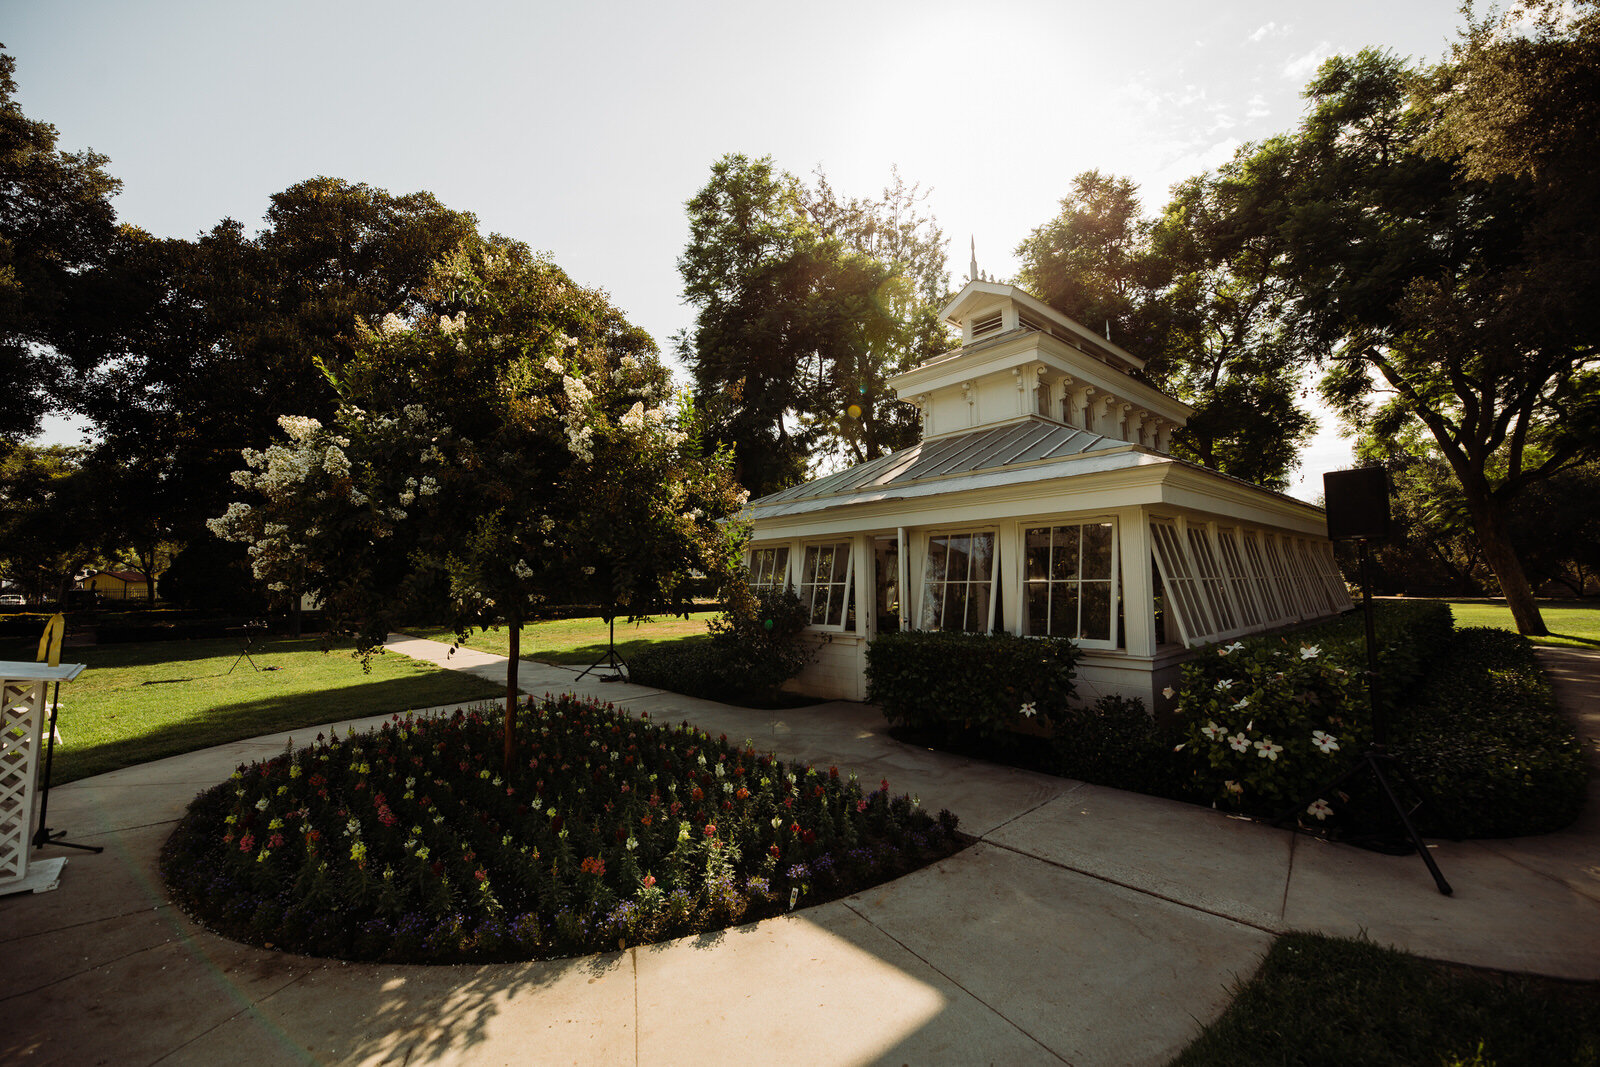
column 1077, row 522
column 775, row 578
column 807, row 588
column 1186, row 603
column 926, row 543
column 1231, row 552
column 1278, row 568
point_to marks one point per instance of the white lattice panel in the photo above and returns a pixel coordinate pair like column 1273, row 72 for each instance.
column 22, row 715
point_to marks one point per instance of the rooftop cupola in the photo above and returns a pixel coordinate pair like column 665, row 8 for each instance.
column 1021, row 359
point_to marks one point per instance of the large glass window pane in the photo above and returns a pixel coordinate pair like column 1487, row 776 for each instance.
column 1097, row 550
column 978, row 605
column 1095, row 618
column 938, row 549
column 1064, row 554
column 982, row 557
column 960, row 558
column 1038, row 599
column 1063, row 609
column 955, row 607
column 1037, row 555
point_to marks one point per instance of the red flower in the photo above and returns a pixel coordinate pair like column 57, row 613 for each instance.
column 774, row 850
column 742, row 793
column 697, row 794
column 711, row 829
column 481, row 875
column 649, row 880
column 247, row 843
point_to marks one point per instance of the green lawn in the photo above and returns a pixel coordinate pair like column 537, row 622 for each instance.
column 141, row 702
column 1324, row 1000
column 580, row 640
column 1575, row 623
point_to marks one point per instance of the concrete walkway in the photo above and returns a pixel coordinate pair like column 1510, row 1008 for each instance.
column 1086, row 926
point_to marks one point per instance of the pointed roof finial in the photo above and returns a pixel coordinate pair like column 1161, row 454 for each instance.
column 973, row 276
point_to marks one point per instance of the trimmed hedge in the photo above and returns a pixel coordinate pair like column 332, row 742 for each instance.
column 1115, row 742
column 1486, row 739
column 751, row 652
column 973, row 684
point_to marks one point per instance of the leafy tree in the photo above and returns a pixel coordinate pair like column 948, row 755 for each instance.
column 1092, row 262
column 501, row 454
column 806, row 304
column 1456, row 294
column 56, row 221
column 43, row 499
column 193, row 349
column 1196, row 294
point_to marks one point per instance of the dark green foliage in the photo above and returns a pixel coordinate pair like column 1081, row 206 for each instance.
column 746, row 658
column 1485, row 738
column 213, row 574
column 975, row 684
column 1412, row 635
column 1321, row 1000
column 56, row 222
column 1116, row 742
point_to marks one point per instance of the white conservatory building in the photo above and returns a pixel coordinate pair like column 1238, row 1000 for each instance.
column 1040, row 500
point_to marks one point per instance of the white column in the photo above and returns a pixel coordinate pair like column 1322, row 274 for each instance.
column 1008, row 542
column 1138, row 583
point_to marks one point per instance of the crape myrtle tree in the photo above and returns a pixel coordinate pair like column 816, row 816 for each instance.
column 499, row 452
column 806, row 304
column 1458, row 282
column 1194, row 293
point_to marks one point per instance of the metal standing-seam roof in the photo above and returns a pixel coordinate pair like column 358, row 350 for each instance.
column 1028, row 441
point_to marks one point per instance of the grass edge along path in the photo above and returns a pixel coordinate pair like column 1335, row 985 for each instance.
column 1338, row 1001
column 142, row 702
column 577, row 641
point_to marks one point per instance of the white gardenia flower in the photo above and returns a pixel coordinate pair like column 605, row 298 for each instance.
column 1239, row 743
column 1225, row 684
column 1244, row 702
column 1232, row 786
column 1213, row 732
column 1320, row 808
column 1325, row 742
column 1167, row 692
column 1027, row 711
column 1267, row 750
column 1309, row 651
column 1226, row 649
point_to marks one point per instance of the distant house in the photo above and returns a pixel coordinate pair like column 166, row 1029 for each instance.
column 117, row 585
column 1042, row 499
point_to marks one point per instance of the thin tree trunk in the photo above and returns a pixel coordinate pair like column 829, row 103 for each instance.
column 512, row 693
column 1501, row 556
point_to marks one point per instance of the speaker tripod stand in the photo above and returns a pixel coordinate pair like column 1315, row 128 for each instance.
column 45, row 837
column 610, row 658
column 1377, row 757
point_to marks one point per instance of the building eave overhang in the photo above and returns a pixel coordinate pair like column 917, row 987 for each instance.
column 1167, row 483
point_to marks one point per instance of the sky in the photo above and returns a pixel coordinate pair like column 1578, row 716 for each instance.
column 584, row 128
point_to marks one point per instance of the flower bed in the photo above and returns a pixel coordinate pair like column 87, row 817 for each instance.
column 408, row 843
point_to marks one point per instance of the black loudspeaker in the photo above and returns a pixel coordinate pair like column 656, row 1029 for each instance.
column 1357, row 503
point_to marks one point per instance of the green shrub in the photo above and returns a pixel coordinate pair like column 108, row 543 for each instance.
column 975, row 684
column 755, row 647
column 1265, row 719
column 1487, row 742
column 1115, row 742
